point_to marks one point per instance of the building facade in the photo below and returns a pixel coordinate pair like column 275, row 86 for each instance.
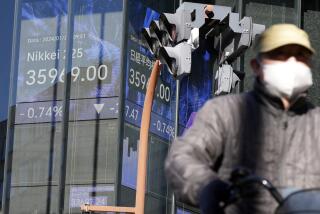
column 70, row 138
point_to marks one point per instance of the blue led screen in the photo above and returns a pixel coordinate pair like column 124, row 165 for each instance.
column 96, row 58
column 92, row 148
column 95, row 53
column 195, row 90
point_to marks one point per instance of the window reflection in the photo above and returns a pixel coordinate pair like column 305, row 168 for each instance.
column 94, row 106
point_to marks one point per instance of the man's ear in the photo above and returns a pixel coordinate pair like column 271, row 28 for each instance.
column 256, row 68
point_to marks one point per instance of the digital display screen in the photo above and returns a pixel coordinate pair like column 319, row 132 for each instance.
column 98, row 196
column 195, row 90
column 34, row 199
column 157, row 152
column 32, row 161
column 96, row 77
column 95, row 54
column 92, row 151
column 83, row 109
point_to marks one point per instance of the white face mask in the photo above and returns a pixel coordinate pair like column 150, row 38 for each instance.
column 287, row 78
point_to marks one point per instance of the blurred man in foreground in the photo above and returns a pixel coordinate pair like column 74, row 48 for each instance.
column 271, row 130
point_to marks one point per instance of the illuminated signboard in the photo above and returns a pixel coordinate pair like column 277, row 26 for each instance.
column 195, row 91
column 95, row 71
column 95, row 54
column 94, row 105
column 37, row 112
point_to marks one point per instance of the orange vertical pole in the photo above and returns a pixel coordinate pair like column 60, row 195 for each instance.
column 144, row 134
column 142, row 153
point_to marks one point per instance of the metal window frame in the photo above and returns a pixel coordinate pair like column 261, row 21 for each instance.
column 11, row 108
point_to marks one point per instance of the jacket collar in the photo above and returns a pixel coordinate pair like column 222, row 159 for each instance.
column 299, row 105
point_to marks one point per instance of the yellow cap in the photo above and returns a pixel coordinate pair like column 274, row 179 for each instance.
column 282, row 34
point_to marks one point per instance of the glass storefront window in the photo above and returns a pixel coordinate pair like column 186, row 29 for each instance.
column 57, row 163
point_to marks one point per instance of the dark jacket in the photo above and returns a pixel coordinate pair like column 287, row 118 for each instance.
column 250, row 130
